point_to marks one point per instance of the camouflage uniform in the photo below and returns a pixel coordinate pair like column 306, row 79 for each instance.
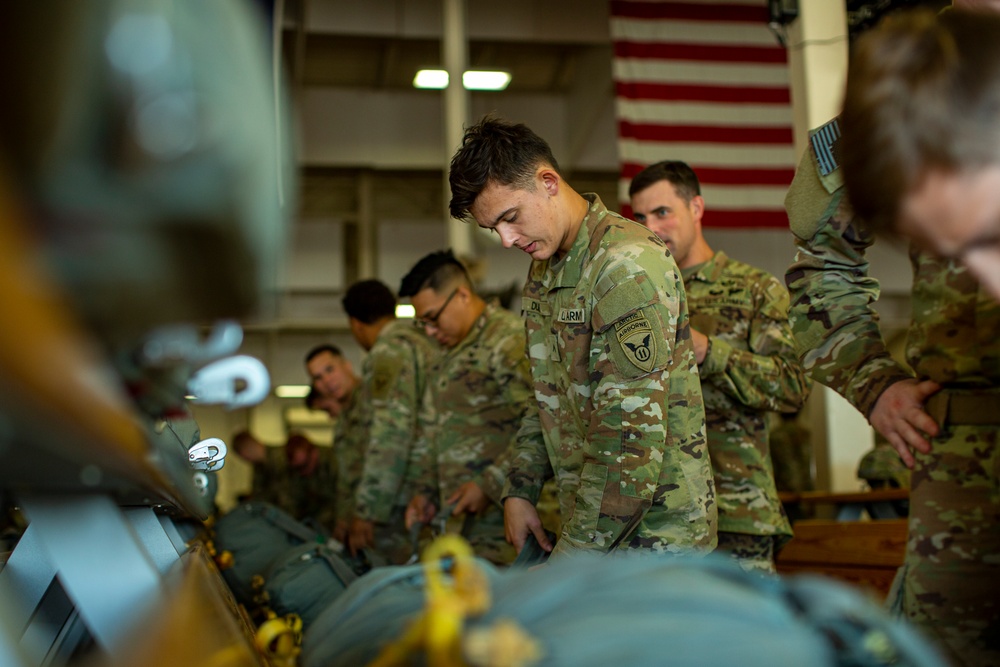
column 479, row 393
column 791, row 454
column 750, row 368
column 348, row 449
column 619, row 418
column 951, row 583
column 266, row 475
column 306, row 497
column 393, row 380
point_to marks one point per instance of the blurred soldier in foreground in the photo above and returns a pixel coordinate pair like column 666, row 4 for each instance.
column 746, row 361
column 393, row 380
column 619, row 419
column 478, row 393
column 948, row 413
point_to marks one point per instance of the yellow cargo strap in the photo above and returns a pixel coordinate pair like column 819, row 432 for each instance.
column 450, row 600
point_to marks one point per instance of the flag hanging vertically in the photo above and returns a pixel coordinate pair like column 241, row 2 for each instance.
column 706, row 82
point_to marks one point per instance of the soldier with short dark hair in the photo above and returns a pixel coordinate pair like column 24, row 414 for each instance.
column 746, row 361
column 619, row 419
column 330, row 372
column 478, row 393
column 332, row 376
column 393, row 381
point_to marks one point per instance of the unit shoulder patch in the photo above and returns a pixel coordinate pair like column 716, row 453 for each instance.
column 635, row 336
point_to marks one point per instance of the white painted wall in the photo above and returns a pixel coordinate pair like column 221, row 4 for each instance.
column 848, row 438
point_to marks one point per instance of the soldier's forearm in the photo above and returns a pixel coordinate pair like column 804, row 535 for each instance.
column 759, row 381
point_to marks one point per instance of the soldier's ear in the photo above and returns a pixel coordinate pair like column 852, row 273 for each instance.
column 697, row 207
column 549, row 179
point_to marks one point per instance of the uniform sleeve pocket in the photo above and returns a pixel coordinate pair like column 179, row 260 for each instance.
column 582, row 526
column 631, row 320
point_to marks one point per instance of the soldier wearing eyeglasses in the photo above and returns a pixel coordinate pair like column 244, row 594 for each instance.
column 478, row 393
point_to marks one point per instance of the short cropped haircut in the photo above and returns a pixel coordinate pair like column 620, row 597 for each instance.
column 320, row 349
column 434, row 271
column 678, row 173
column 923, row 92
column 495, row 151
column 369, row 301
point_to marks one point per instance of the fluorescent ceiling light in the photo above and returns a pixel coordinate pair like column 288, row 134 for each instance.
column 431, row 78
column 291, row 390
column 437, row 79
column 405, row 310
column 483, row 80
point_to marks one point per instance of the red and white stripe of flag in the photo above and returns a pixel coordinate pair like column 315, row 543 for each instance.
column 706, row 82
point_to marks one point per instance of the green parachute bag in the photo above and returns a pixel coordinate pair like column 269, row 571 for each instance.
column 250, row 539
column 305, row 580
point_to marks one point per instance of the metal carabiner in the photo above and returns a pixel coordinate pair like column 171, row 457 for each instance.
column 209, row 454
column 237, row 382
column 183, row 343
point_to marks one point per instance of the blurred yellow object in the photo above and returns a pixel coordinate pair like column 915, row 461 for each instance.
column 504, row 644
column 224, row 560
column 280, row 638
column 438, row 630
column 450, row 601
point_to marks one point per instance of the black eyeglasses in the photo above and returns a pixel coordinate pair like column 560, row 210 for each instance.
column 432, row 320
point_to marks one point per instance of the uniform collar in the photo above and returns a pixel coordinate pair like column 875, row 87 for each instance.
column 568, row 270
column 476, row 330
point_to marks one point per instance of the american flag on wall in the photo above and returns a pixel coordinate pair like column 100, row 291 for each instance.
column 706, row 82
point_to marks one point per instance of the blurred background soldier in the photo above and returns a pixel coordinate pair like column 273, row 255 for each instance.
column 393, row 380
column 332, row 376
column 316, row 400
column 746, row 361
column 307, row 489
column 265, row 465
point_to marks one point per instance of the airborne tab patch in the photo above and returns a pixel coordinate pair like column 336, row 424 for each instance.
column 635, row 335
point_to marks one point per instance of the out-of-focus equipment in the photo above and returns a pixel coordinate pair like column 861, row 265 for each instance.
column 865, row 14
column 145, row 186
column 305, row 581
column 277, row 566
column 780, row 13
column 630, row 609
column 250, row 538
